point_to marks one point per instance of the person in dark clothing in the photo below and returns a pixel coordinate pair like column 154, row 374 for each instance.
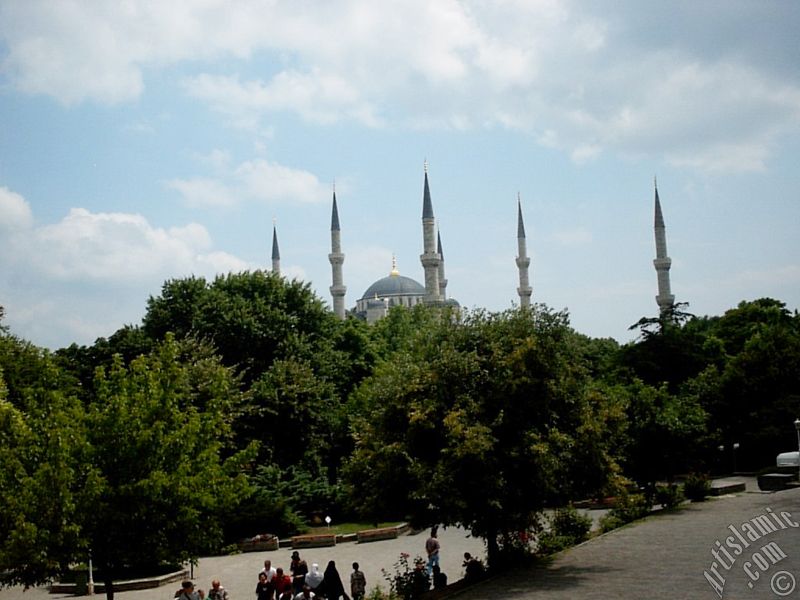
column 263, row 588
column 299, row 569
column 473, row 568
column 331, row 585
column 439, row 578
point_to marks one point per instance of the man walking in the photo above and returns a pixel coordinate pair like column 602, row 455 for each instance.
column 432, row 547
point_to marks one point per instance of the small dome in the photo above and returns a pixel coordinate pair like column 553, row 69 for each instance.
column 394, row 285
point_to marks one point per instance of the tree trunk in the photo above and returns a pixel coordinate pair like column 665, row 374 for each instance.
column 492, row 549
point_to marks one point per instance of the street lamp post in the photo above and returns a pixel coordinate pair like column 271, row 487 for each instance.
column 90, row 585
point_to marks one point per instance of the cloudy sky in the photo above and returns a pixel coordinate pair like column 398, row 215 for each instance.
column 143, row 141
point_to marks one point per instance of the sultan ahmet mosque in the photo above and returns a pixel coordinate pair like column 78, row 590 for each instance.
column 397, row 290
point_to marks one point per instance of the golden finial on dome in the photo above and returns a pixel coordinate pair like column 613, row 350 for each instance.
column 394, row 272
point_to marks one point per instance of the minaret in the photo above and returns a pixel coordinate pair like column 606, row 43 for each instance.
column 662, row 262
column 442, row 279
column 276, row 254
column 523, row 262
column 336, row 259
column 429, row 257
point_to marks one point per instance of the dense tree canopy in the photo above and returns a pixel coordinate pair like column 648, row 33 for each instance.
column 481, row 422
column 156, row 432
column 42, row 441
column 252, row 318
column 135, row 472
column 241, row 405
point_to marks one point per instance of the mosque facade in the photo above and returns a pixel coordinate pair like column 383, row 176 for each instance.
column 398, row 290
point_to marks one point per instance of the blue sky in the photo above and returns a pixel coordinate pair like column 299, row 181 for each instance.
column 143, row 141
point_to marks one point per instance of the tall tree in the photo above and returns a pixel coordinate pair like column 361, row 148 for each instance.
column 42, row 442
column 480, row 422
column 252, row 318
column 157, row 429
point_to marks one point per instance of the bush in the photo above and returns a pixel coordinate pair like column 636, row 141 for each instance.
column 568, row 522
column 377, row 593
column 629, row 507
column 669, row 496
column 549, row 543
column 697, row 487
column 567, row 528
column 514, row 549
column 407, row 583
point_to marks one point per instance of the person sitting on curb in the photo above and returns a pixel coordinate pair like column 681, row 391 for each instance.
column 473, row 568
column 439, row 578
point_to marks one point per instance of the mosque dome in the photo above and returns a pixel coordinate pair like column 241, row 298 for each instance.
column 393, row 290
column 394, row 285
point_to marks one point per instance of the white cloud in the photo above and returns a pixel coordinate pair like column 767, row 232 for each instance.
column 203, row 192
column 123, row 248
column 584, row 82
column 89, row 273
column 316, row 96
column 15, row 214
column 274, row 182
column 257, row 180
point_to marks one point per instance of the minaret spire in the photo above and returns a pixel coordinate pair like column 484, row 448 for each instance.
column 430, row 257
column 523, row 262
column 276, row 253
column 662, row 262
column 336, row 258
column 442, row 279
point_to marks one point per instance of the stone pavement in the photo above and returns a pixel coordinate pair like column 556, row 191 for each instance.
column 663, row 557
column 239, row 573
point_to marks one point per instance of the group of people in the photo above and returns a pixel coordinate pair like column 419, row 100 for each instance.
column 188, row 592
column 302, row 583
column 299, row 583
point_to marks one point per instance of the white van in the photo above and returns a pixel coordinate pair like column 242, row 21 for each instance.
column 789, row 459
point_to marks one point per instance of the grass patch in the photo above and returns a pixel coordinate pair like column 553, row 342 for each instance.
column 345, row 528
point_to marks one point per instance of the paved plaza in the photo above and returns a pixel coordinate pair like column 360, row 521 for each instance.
column 663, row 557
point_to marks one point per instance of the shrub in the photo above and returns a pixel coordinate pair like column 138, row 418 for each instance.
column 629, row 507
column 514, row 549
column 567, row 528
column 669, row 496
column 568, row 522
column 697, row 487
column 407, row 583
column 377, row 593
column 550, row 543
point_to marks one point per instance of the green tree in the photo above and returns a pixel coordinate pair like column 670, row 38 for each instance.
column 665, row 433
column 739, row 324
column 42, row 442
column 252, row 318
column 128, row 342
column 758, row 397
column 480, row 421
column 156, row 430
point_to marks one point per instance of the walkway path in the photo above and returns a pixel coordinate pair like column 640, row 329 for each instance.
column 239, row 573
column 663, row 557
